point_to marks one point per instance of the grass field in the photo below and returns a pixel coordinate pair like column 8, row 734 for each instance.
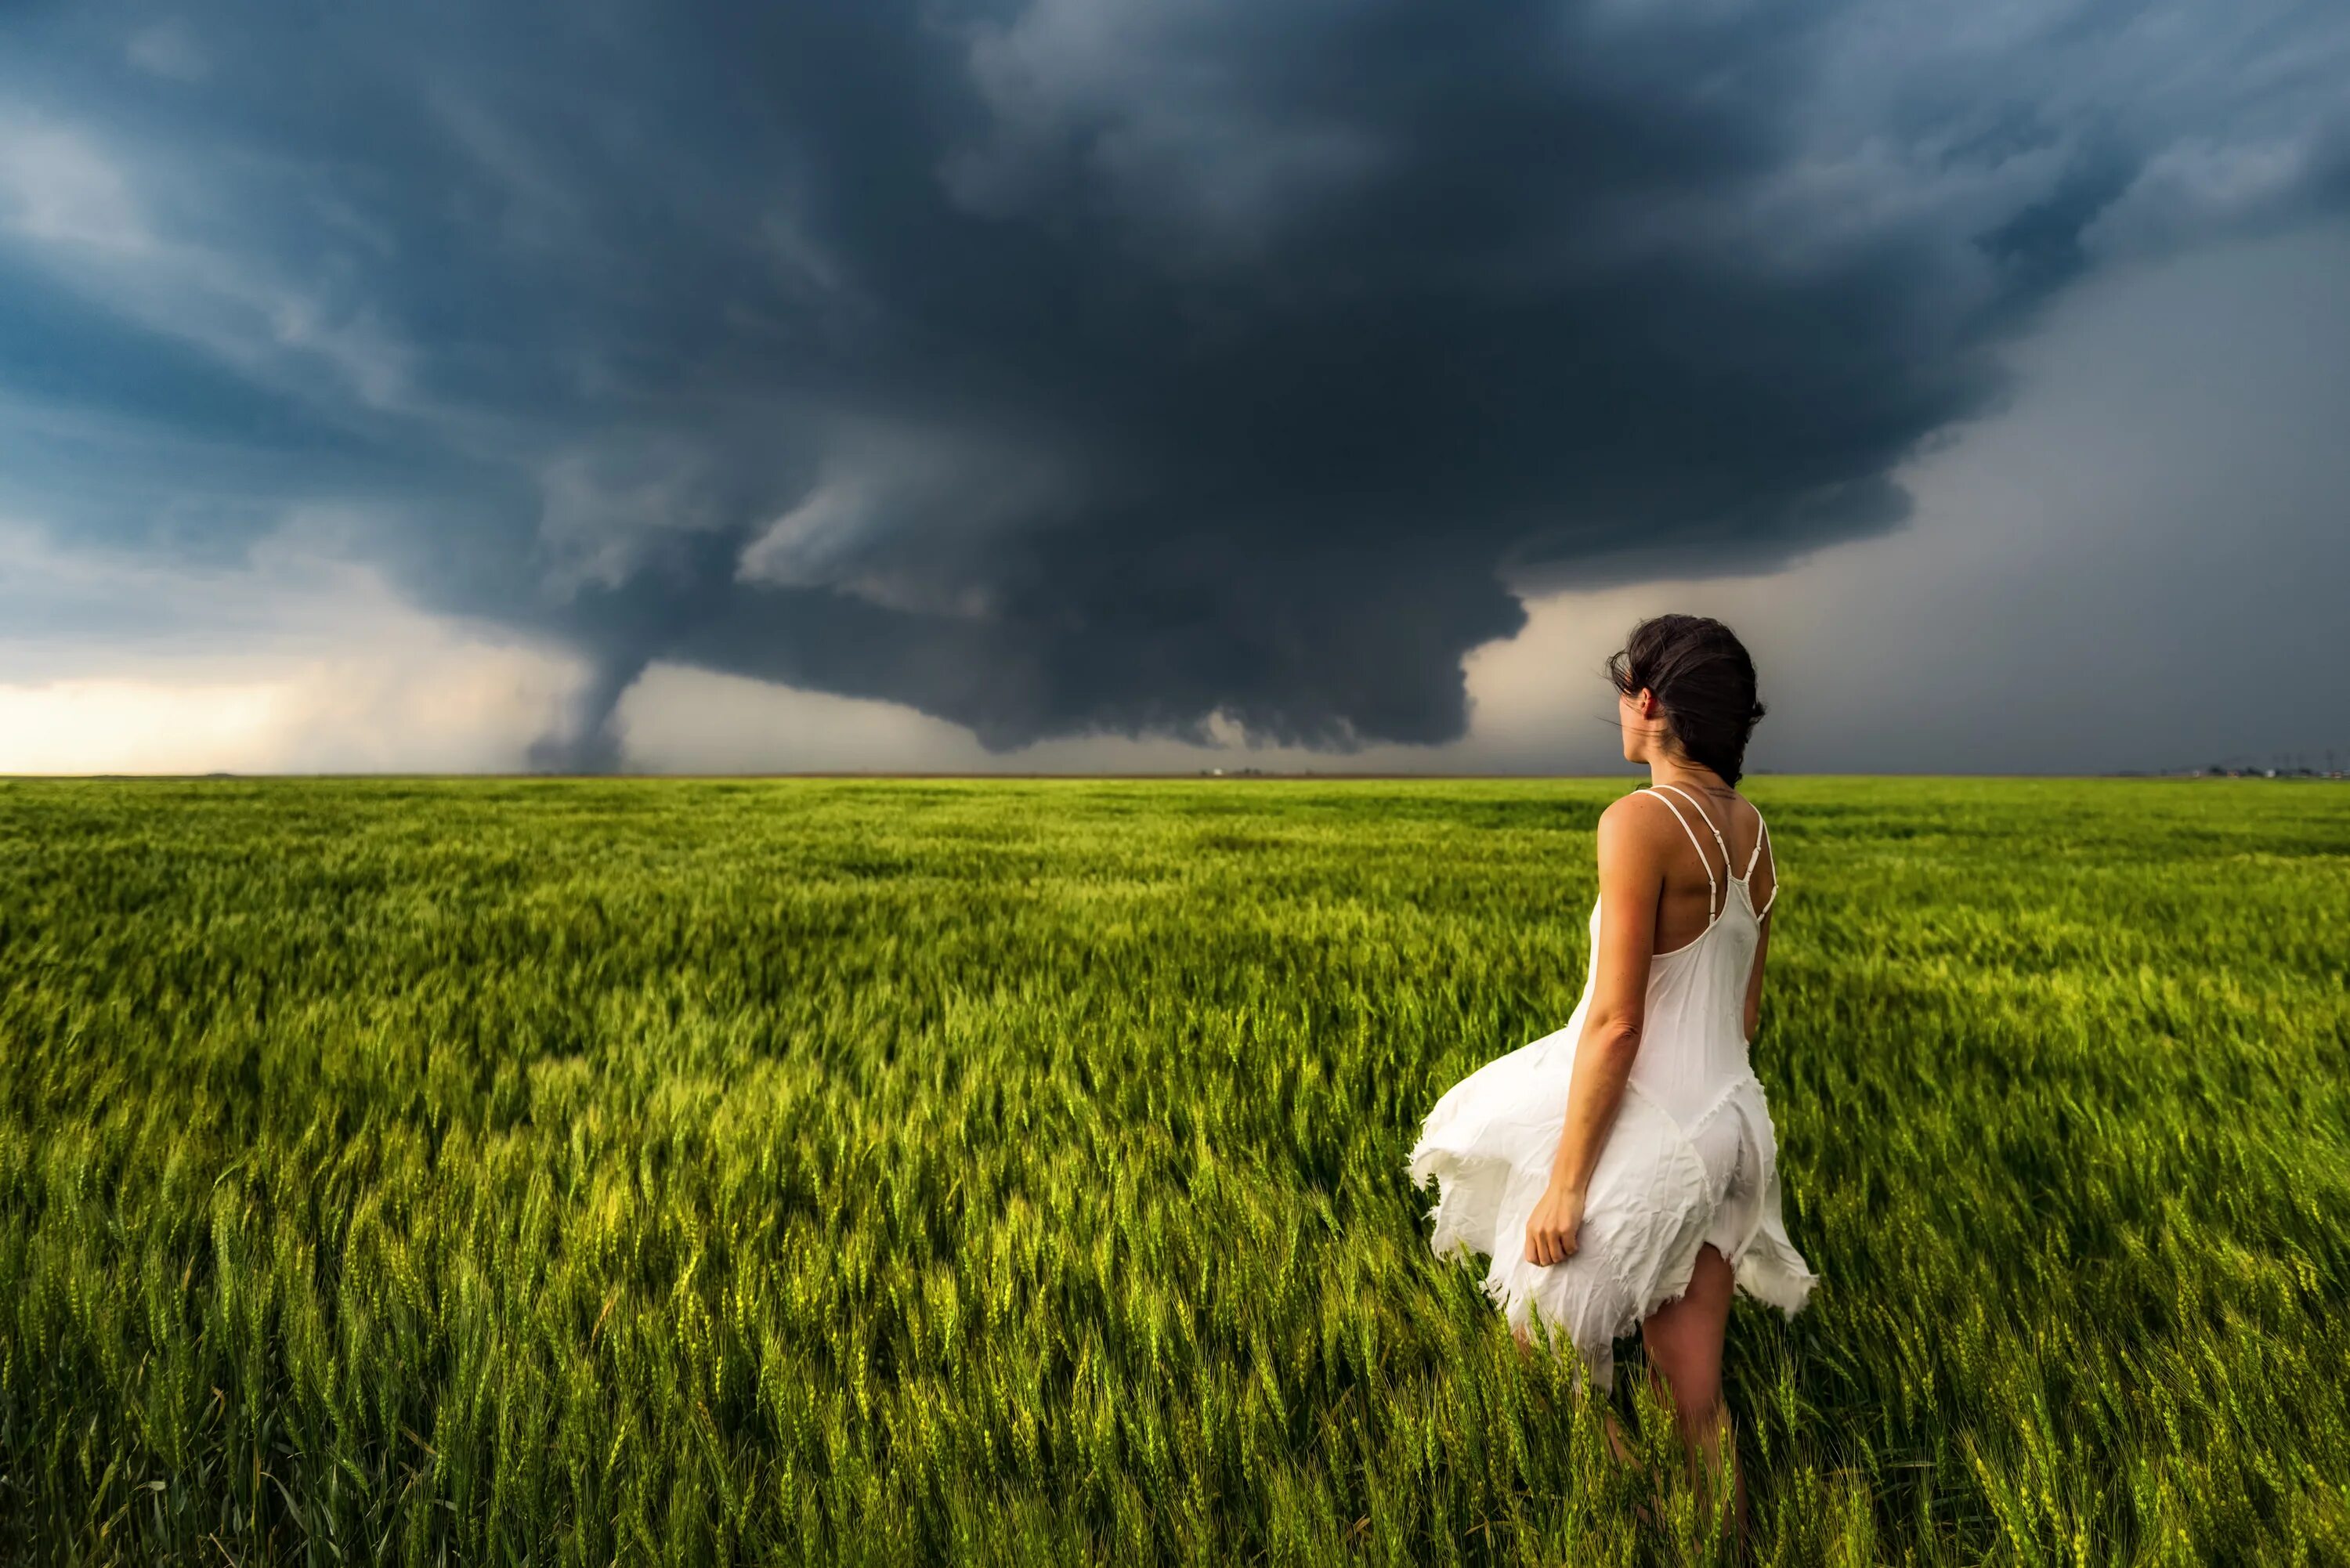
column 741, row 1171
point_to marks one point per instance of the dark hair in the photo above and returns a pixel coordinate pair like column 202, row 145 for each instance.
column 1703, row 678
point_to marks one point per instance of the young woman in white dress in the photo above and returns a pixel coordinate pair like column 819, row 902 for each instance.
column 1622, row 1172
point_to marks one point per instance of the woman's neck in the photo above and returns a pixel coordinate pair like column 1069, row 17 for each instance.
column 1687, row 775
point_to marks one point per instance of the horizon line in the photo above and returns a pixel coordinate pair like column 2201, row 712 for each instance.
column 1228, row 775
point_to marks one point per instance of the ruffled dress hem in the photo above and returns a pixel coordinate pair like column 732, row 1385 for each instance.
column 1649, row 1212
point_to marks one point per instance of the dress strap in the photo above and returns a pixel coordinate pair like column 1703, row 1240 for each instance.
column 1708, row 818
column 1762, row 832
column 1710, row 888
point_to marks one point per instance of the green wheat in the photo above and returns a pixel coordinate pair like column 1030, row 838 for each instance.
column 685, row 1171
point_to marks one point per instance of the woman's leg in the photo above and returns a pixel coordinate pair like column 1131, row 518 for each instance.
column 1684, row 1341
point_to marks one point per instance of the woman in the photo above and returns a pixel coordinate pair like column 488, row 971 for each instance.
column 1622, row 1173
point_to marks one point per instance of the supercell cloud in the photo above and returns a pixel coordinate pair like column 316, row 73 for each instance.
column 1077, row 367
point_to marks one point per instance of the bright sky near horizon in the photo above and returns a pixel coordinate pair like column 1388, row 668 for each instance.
column 1062, row 385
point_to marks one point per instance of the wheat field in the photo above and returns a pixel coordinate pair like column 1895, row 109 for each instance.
column 902, row 1172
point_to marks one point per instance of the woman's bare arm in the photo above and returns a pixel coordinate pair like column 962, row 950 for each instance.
column 1762, row 938
column 1755, row 979
column 1632, row 876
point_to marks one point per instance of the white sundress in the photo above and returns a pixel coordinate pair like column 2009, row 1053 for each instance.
column 1691, row 1158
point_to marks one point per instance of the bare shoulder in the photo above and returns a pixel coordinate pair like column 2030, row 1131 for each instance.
column 1630, row 826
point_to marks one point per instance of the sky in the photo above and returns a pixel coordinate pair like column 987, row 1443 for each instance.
column 1071, row 386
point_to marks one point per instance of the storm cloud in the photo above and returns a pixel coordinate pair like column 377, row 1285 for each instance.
column 1079, row 368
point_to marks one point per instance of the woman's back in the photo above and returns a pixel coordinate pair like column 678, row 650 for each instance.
column 1717, row 835
column 1693, row 1034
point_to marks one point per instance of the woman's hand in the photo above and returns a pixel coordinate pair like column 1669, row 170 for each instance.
column 1554, row 1229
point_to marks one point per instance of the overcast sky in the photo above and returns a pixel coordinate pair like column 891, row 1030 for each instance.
column 1074, row 384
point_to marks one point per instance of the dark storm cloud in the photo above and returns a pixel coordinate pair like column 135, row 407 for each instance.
column 1076, row 367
